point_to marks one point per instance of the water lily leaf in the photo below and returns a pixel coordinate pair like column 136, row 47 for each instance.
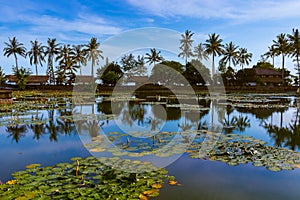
column 156, row 186
column 32, row 166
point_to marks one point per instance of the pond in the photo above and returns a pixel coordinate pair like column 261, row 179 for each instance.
column 244, row 147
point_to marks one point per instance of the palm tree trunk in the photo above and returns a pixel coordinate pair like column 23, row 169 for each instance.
column 273, row 59
column 213, row 66
column 92, row 70
column 298, row 68
column 36, row 70
column 16, row 62
column 282, row 72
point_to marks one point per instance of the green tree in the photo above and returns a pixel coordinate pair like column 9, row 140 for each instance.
column 79, row 56
column 282, row 46
column 214, row 47
column 164, row 74
column 51, row 50
column 200, row 52
column 93, row 53
column 271, row 53
column 22, row 75
column 230, row 54
column 3, row 77
column 153, row 57
column 294, row 42
column 186, row 45
column 67, row 65
column 13, row 47
column 244, row 58
column 110, row 74
column 36, row 54
column 196, row 73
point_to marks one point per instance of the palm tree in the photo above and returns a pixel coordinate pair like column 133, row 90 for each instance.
column 36, row 54
column 230, row 54
column 282, row 47
column 294, row 42
column 200, row 53
column 271, row 53
column 66, row 63
column 51, row 50
column 214, row 47
column 244, row 58
column 153, row 57
column 13, row 47
column 186, row 44
column 80, row 56
column 93, row 53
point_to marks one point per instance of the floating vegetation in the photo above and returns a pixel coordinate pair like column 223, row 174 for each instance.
column 236, row 149
column 86, row 178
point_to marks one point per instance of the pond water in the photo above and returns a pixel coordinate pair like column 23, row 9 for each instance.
column 252, row 141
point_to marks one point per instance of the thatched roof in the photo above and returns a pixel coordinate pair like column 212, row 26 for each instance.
column 138, row 79
column 267, row 72
column 30, row 79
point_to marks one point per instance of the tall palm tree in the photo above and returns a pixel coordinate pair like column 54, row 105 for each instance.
column 153, row 57
column 214, row 47
column 36, row 54
column 79, row 56
column 282, row 47
column 186, row 45
column 66, row 62
column 13, row 47
column 271, row 53
column 244, row 58
column 230, row 54
column 93, row 53
column 51, row 50
column 294, row 41
column 200, row 53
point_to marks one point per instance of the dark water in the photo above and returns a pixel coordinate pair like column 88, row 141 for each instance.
column 57, row 140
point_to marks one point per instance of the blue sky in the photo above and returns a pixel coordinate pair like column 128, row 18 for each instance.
column 252, row 24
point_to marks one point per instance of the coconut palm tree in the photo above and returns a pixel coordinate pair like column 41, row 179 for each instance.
column 271, row 53
column 93, row 53
column 13, row 47
column 294, row 41
column 214, row 47
column 200, row 52
column 67, row 63
column 153, row 57
column 80, row 56
column 244, row 58
column 51, row 51
column 281, row 45
column 230, row 54
column 186, row 45
column 36, row 54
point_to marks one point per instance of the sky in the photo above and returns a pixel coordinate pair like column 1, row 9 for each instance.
column 119, row 25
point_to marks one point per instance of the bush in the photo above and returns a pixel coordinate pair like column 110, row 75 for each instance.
column 3, row 77
column 22, row 75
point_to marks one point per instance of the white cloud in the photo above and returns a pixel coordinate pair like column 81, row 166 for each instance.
column 224, row 9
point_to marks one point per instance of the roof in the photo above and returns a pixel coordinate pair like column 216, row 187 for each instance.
column 30, row 79
column 84, row 78
column 271, row 79
column 261, row 71
column 138, row 79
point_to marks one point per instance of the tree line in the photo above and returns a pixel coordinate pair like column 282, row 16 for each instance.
column 71, row 58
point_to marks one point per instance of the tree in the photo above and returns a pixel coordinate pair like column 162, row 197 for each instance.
column 13, row 47
column 196, row 73
column 67, row 64
column 200, row 53
column 51, row 50
column 111, row 74
column 271, row 53
column 244, row 57
column 167, row 73
column 36, row 54
column 153, row 56
column 93, row 53
column 294, row 42
column 79, row 56
column 186, row 45
column 230, row 54
column 214, row 47
column 281, row 46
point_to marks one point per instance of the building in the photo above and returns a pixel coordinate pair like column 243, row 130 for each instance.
column 261, row 76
